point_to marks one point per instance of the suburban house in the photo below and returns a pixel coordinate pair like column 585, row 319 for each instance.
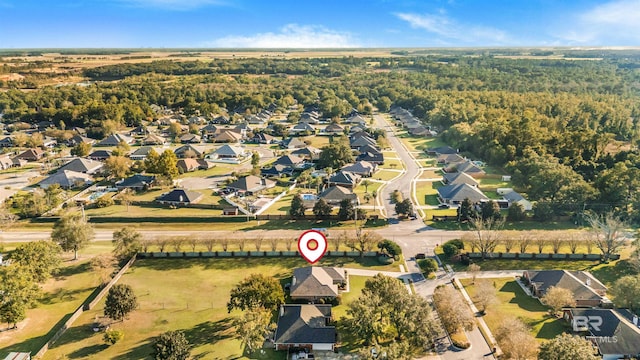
column 587, row 290
column 82, row 165
column 139, row 131
column 302, row 127
column 242, row 129
column 310, row 117
column 308, row 152
column 459, row 178
column 153, row 139
column 357, row 143
column 468, row 167
column 292, row 143
column 99, row 155
column 305, row 326
column 313, row 283
column 374, row 158
column 344, row 178
column 262, row 138
column 333, row 129
column 455, row 194
column 228, row 153
column 251, row 184
column 449, row 159
column 356, row 119
column 67, row 179
column 136, row 182
column 333, row 195
column 5, row 162
column 142, row 152
column 179, row 197
column 614, row 333
column 209, row 130
column 6, row 142
column 190, row 139
column 115, row 139
column 361, row 168
column 221, row 119
column 227, row 136
column 289, row 160
column 513, row 197
column 34, row 154
column 187, row 165
column 189, row 151
column 277, row 171
column 79, row 139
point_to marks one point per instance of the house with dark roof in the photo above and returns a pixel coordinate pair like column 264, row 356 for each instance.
column 374, row 158
column 262, row 138
column 448, row 159
column 459, row 178
column 455, row 194
column 289, row 160
column 305, row 327
column 179, row 197
column 115, row 139
column 313, row 283
column 333, row 129
column 251, row 184
column 142, row 152
column 361, row 168
column 209, row 130
column 344, row 178
column 333, row 195
column 99, row 155
column 6, row 142
column 358, row 143
column 356, row 119
column 586, row 289
column 221, row 119
column 82, row 165
column 302, row 127
column 308, row 152
column 277, row 171
column 136, row 182
column 34, row 154
column 139, row 131
column 513, row 197
column 614, row 333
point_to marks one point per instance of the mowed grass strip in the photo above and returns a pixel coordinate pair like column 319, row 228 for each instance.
column 513, row 302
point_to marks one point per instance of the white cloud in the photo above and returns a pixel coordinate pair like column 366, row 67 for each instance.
column 290, row 36
column 448, row 30
column 172, row 4
column 611, row 23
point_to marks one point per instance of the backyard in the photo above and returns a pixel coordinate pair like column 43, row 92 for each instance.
column 514, row 302
column 197, row 306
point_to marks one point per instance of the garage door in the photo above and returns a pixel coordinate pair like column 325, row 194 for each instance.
column 322, row 347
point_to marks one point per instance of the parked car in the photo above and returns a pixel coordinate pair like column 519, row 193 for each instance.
column 420, row 256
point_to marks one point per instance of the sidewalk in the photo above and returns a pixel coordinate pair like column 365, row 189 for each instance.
column 481, row 323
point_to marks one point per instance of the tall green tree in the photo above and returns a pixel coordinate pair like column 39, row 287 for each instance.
column 346, row 211
column 252, row 328
column 72, row 232
column 256, row 291
column 40, row 259
column 152, row 162
column 321, row 209
column 18, row 292
column 127, row 242
column 335, row 155
column 466, row 211
column 120, row 301
column 167, row 165
column 297, row 206
column 172, row 345
column 626, row 291
column 404, row 207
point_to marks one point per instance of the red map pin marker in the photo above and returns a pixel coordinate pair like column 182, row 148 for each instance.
column 312, row 245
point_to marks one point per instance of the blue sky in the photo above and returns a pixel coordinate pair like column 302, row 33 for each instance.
column 317, row 24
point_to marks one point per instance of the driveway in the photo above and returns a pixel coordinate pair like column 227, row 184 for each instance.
column 12, row 183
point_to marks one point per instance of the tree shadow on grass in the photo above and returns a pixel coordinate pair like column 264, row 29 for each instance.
column 551, row 329
column 75, row 333
column 209, row 332
column 143, row 350
column 62, row 295
column 524, row 301
column 73, row 270
column 609, row 274
column 88, row 351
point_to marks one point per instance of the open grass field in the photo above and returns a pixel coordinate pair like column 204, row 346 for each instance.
column 62, row 295
column 513, row 302
column 425, row 191
column 218, row 170
column 135, row 211
column 392, row 164
column 197, row 306
column 360, row 191
column 386, row 175
column 420, row 144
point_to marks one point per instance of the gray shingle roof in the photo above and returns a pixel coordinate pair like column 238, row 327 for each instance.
column 459, row 178
column 304, row 324
column 573, row 281
column 180, row 196
column 315, row 282
column 460, row 192
column 82, row 165
column 614, row 324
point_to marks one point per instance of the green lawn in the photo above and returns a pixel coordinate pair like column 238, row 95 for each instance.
column 386, row 175
column 430, row 174
column 420, row 144
column 218, row 170
column 425, row 192
column 393, row 164
column 62, row 296
column 197, row 306
column 510, row 225
column 150, row 211
column 359, row 190
column 513, row 302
